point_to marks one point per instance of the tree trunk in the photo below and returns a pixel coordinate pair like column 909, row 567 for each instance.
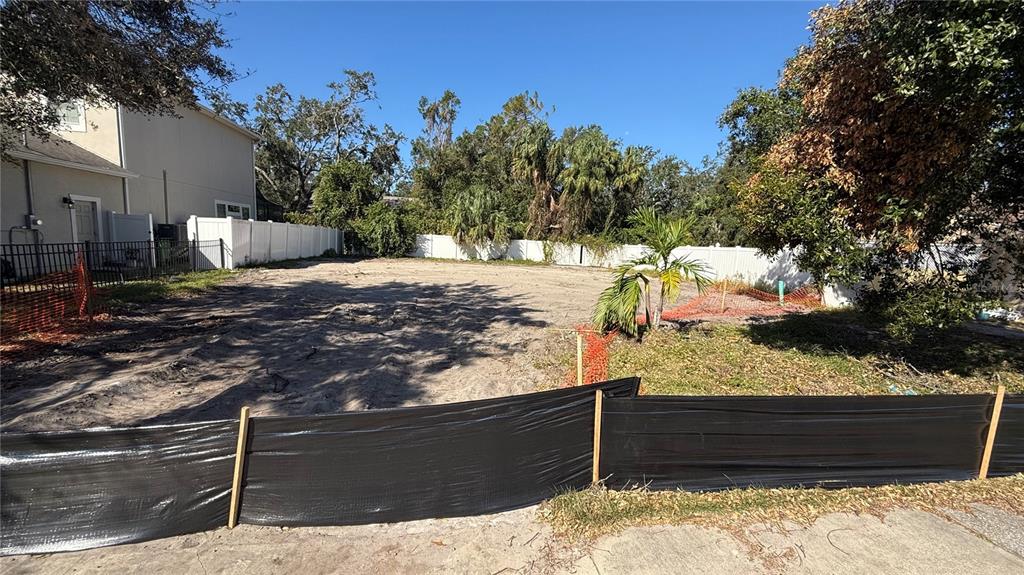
column 652, row 322
column 661, row 306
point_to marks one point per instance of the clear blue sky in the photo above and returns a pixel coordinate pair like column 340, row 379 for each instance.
column 656, row 74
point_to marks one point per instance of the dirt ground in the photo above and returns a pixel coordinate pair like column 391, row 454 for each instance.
column 313, row 337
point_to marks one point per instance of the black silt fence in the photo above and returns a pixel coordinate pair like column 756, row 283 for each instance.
column 1008, row 451
column 67, row 491
column 402, row 464
column 708, row 443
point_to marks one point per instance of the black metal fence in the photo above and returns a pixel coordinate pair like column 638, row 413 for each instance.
column 108, row 263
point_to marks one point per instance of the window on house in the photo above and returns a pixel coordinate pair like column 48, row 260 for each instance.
column 231, row 209
column 72, row 116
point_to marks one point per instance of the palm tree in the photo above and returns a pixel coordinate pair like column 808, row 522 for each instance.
column 634, row 280
column 591, row 160
column 475, row 219
column 532, row 160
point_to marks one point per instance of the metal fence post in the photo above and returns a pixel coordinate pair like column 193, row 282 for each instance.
column 222, row 251
column 88, row 255
column 195, row 255
column 150, row 256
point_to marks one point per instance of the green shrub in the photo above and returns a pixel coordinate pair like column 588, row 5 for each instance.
column 304, row 218
column 914, row 308
column 385, row 230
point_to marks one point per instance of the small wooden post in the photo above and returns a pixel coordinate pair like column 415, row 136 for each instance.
column 725, row 285
column 236, row 481
column 598, row 400
column 579, row 358
column 986, row 458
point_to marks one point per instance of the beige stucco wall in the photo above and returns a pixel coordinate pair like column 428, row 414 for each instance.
column 204, row 159
column 100, row 136
column 49, row 185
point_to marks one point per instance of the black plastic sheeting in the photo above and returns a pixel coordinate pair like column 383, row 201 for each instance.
column 413, row 463
column 708, row 443
column 1008, row 451
column 66, row 491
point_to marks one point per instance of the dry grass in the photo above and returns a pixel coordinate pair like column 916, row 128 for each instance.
column 148, row 291
column 597, row 511
column 820, row 353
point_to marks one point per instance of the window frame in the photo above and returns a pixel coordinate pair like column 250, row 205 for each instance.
column 226, row 203
column 82, row 126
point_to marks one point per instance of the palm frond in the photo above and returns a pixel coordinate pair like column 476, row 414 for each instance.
column 618, row 304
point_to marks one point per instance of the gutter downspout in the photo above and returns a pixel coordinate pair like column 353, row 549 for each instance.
column 31, row 210
column 167, row 209
column 121, row 161
column 255, row 199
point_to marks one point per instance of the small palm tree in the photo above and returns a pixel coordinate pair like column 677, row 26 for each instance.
column 634, row 280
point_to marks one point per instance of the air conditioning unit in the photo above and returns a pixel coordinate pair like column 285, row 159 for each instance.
column 173, row 232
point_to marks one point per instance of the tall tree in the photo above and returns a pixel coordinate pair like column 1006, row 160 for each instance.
column 300, row 135
column 147, row 56
column 343, row 191
column 630, row 176
column 910, row 137
column 663, row 189
column 439, row 118
column 591, row 164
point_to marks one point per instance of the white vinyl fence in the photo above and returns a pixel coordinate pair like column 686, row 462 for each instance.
column 131, row 227
column 250, row 242
column 735, row 263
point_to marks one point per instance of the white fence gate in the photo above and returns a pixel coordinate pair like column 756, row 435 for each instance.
column 248, row 242
column 131, row 227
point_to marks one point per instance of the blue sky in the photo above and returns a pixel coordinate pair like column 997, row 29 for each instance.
column 655, row 74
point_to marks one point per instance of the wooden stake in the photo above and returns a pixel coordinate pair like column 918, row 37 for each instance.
column 236, row 481
column 579, row 358
column 598, row 400
column 725, row 285
column 986, row 458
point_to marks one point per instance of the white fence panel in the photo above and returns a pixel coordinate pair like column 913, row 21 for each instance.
column 294, row 241
column 260, row 242
column 249, row 242
column 131, row 227
column 531, row 250
column 278, row 242
column 241, row 243
column 721, row 262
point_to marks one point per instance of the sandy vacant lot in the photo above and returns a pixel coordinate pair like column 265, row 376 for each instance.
column 315, row 337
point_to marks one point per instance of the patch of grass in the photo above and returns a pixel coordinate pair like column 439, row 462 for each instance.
column 148, row 291
column 598, row 511
column 820, row 353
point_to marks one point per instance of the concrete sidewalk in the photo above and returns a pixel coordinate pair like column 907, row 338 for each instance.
column 986, row 541
column 989, row 541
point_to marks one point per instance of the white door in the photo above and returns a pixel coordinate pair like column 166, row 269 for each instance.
column 86, row 224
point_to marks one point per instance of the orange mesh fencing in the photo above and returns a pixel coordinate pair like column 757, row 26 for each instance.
column 739, row 301
column 50, row 310
column 806, row 296
column 595, row 356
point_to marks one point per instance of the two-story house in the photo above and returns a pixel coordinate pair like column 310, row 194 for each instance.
column 107, row 159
